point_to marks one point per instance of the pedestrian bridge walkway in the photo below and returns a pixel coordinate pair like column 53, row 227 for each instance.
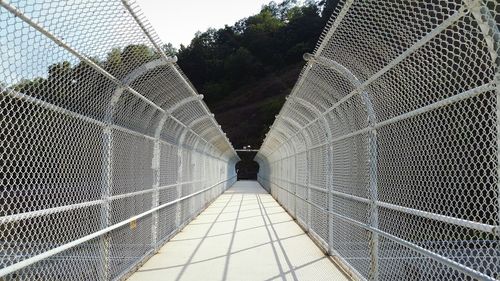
column 243, row 235
column 386, row 150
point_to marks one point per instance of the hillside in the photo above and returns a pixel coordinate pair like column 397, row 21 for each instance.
column 246, row 70
column 250, row 110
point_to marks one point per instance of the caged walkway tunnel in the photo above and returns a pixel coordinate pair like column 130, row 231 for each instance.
column 384, row 159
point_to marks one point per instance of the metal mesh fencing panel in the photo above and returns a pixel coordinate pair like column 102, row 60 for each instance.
column 387, row 149
column 106, row 149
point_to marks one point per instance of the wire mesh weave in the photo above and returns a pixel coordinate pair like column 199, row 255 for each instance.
column 100, row 134
column 387, row 150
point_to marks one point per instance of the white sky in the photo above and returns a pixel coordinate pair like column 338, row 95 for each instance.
column 176, row 21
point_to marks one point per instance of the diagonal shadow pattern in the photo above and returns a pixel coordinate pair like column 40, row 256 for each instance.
column 244, row 235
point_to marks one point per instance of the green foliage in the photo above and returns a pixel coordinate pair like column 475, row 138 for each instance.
column 223, row 63
column 272, row 105
column 265, row 22
column 258, row 45
column 121, row 62
column 216, row 91
column 170, row 50
column 70, row 84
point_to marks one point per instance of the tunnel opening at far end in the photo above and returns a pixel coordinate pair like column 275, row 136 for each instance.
column 247, row 168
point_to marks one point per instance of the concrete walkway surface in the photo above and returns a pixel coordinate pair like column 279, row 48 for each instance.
column 243, row 235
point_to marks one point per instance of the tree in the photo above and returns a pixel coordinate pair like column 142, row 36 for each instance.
column 222, row 63
column 169, row 49
column 328, row 6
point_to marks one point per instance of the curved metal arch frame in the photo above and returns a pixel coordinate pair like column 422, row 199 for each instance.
column 291, row 135
column 107, row 127
column 188, row 128
column 492, row 37
column 129, row 79
column 203, row 132
column 372, row 145
column 491, row 33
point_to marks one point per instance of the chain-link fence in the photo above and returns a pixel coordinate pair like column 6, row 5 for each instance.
column 106, row 150
column 387, row 150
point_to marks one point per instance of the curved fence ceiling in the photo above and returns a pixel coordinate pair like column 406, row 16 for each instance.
column 387, row 150
column 106, row 149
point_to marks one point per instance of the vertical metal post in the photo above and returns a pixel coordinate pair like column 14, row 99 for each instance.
column 373, row 189
column 308, row 193
column 491, row 33
column 203, row 175
column 178, row 206
column 306, row 180
column 156, row 194
column 295, row 158
column 156, row 166
column 295, row 185
column 107, row 176
column 192, row 169
column 107, row 170
column 498, row 141
column 306, row 148
column 330, row 193
column 497, row 81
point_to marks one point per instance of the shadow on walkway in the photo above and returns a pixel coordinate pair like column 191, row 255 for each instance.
column 243, row 235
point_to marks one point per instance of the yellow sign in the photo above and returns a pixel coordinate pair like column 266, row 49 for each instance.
column 133, row 224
